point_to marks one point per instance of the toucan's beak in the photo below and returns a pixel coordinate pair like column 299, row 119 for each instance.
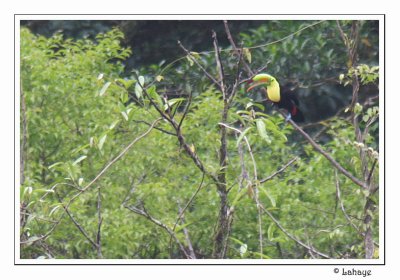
column 255, row 84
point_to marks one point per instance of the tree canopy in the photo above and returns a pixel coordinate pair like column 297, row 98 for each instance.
column 167, row 155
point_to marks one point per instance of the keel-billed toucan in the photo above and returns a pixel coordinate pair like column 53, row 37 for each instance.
column 283, row 98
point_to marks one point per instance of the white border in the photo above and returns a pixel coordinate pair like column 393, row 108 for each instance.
column 204, row 17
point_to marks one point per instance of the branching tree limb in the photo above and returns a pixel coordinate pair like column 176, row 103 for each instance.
column 80, row 228
column 182, row 211
column 143, row 212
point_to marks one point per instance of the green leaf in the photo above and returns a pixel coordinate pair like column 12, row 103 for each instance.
column 242, row 135
column 172, row 102
column 243, row 249
column 28, row 190
column 239, row 195
column 54, row 209
column 32, row 239
column 247, row 54
column 252, row 104
column 104, row 88
column 262, row 131
column 271, row 126
column 55, row 164
column 271, row 199
column 190, row 60
column 139, row 87
column 152, row 92
column 79, row 160
column 243, row 112
column 101, row 141
column 181, row 227
column 270, row 232
column 113, row 124
column 125, row 115
column 125, row 83
column 196, row 55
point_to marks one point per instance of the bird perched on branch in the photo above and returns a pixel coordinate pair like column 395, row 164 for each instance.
column 284, row 98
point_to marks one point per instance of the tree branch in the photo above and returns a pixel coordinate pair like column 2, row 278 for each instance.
column 143, row 212
column 270, row 177
column 182, row 211
column 80, row 228
column 186, row 110
column 328, row 156
column 288, row 234
column 235, row 49
column 188, row 53
column 223, row 226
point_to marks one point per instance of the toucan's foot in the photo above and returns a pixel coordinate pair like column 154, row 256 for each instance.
column 288, row 117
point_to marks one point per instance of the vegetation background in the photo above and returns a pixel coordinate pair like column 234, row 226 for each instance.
column 138, row 140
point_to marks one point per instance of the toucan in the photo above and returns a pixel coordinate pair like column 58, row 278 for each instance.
column 284, row 98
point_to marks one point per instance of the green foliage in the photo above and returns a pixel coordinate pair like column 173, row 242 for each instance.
column 83, row 110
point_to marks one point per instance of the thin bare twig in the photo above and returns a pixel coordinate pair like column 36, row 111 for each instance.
column 29, row 241
column 288, row 234
column 248, row 147
column 80, row 228
column 270, row 177
column 143, row 212
column 187, row 237
column 182, row 211
column 338, row 195
column 186, row 110
column 220, row 66
column 328, row 156
column 235, row 49
column 188, row 53
column 371, row 172
column 118, row 157
column 157, row 128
